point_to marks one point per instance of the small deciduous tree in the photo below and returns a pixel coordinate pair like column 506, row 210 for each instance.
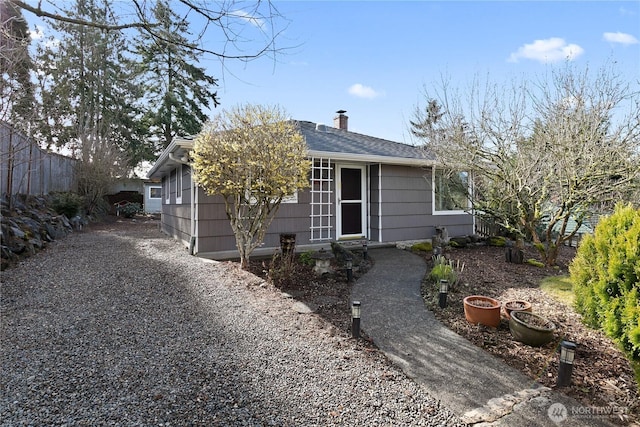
column 541, row 155
column 252, row 156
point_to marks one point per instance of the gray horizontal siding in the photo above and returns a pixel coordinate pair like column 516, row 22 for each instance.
column 176, row 218
column 407, row 206
column 215, row 233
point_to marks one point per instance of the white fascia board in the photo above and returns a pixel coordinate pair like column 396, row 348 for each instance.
column 368, row 158
column 182, row 143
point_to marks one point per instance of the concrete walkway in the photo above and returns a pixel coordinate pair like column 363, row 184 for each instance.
column 477, row 386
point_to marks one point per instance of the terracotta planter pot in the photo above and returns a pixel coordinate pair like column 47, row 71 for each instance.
column 515, row 305
column 483, row 310
column 530, row 328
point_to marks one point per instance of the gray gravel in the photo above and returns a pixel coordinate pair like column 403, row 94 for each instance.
column 119, row 326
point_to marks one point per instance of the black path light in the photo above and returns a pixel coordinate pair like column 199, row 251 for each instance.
column 567, row 354
column 365, row 250
column 355, row 319
column 442, row 296
column 349, row 265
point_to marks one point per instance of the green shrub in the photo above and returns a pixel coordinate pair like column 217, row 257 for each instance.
column 606, row 277
column 66, row 203
column 130, row 209
column 443, row 269
column 305, row 258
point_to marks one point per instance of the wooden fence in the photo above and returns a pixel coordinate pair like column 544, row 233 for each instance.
column 25, row 168
column 487, row 227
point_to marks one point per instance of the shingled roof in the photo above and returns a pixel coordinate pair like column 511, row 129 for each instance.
column 322, row 141
column 326, row 141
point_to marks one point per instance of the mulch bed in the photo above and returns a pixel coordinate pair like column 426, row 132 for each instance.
column 602, row 375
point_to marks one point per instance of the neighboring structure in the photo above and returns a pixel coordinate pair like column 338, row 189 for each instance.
column 361, row 187
column 152, row 197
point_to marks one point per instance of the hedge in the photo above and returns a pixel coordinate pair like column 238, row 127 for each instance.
column 605, row 275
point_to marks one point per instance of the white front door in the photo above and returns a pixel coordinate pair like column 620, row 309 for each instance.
column 351, row 202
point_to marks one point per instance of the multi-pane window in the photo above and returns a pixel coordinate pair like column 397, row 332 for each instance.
column 450, row 191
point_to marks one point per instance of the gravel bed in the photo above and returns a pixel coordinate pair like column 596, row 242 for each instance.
column 118, row 325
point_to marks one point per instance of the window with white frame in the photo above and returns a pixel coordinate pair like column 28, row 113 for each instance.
column 179, row 184
column 450, row 191
column 155, row 192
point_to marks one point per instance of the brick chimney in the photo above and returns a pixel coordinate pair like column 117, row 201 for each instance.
column 340, row 121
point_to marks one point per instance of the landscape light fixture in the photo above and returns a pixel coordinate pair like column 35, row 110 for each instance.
column 567, row 354
column 442, row 296
column 365, row 250
column 355, row 319
column 349, row 265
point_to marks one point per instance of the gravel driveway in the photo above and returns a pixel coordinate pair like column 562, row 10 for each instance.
column 118, row 325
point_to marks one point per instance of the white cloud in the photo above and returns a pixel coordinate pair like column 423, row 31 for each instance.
column 37, row 33
column 256, row 22
column 619, row 37
column 626, row 12
column 553, row 49
column 362, row 91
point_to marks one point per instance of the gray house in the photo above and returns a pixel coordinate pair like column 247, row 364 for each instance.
column 361, row 187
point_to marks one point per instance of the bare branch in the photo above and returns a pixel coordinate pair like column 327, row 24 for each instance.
column 143, row 22
column 38, row 11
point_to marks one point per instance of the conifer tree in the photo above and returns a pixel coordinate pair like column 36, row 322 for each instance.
column 16, row 88
column 88, row 92
column 177, row 91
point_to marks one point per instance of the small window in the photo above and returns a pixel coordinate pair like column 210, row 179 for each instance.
column 179, row 185
column 155, row 192
column 450, row 191
column 292, row 198
column 166, row 183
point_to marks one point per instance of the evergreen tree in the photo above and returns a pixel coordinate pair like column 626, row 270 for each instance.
column 88, row 94
column 176, row 89
column 16, row 88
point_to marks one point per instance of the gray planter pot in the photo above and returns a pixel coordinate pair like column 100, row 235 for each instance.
column 530, row 328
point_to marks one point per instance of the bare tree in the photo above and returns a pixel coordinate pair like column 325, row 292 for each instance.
column 542, row 154
column 230, row 18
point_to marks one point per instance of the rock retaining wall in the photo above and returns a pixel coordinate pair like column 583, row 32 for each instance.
column 28, row 225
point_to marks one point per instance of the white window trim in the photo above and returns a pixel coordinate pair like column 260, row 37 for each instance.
column 291, row 198
column 166, row 187
column 154, row 198
column 433, row 197
column 179, row 185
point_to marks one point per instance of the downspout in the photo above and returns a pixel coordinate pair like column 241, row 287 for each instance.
column 380, row 202
column 193, row 250
column 192, row 212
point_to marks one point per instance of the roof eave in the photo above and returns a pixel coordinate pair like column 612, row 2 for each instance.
column 370, row 158
column 184, row 144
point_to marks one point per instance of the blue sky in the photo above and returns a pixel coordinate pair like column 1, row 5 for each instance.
column 374, row 58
